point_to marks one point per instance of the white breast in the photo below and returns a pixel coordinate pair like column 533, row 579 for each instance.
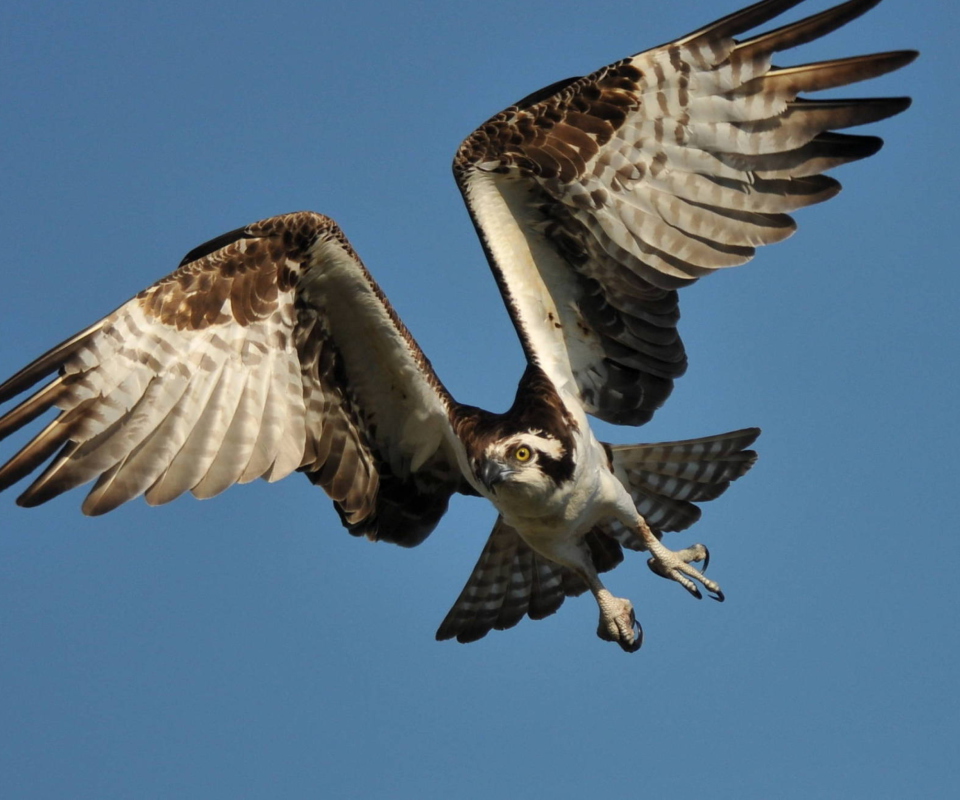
column 552, row 519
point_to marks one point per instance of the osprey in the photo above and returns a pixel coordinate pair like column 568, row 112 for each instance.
column 272, row 349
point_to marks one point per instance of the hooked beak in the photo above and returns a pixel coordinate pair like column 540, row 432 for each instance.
column 493, row 472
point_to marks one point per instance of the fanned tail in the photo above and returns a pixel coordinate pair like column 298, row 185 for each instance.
column 667, row 479
column 511, row 581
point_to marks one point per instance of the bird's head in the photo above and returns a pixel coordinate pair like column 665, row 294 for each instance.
column 529, row 462
column 526, row 453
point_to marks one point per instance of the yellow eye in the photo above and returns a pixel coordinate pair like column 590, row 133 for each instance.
column 522, row 453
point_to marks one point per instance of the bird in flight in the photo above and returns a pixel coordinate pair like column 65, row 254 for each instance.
column 272, row 349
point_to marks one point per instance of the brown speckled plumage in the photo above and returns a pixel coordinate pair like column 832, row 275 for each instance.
column 271, row 349
column 658, row 169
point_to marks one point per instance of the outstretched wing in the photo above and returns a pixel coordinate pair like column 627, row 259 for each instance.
column 270, row 349
column 597, row 198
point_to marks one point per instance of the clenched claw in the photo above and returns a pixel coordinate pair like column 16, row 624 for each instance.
column 618, row 623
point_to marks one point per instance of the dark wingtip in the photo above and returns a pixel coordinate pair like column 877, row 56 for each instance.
column 899, row 104
column 908, row 57
column 744, row 19
column 871, row 145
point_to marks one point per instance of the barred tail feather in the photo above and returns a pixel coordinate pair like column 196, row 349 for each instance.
column 511, row 581
column 667, row 479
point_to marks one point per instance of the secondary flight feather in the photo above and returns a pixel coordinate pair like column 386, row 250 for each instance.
column 271, row 349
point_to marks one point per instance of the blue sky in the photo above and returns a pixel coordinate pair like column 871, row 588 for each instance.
column 247, row 646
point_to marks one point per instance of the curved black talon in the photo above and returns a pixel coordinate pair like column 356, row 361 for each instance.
column 695, row 591
column 706, row 559
column 718, row 596
column 637, row 642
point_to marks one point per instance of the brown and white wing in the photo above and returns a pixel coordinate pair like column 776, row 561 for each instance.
column 511, row 581
column 270, row 349
column 597, row 198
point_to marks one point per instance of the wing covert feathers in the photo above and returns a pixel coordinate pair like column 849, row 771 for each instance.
column 597, row 202
column 271, row 349
column 244, row 363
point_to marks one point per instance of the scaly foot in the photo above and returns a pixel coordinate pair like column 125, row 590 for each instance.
column 675, row 565
column 618, row 622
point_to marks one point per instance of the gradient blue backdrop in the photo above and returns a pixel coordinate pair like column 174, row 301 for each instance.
column 247, row 647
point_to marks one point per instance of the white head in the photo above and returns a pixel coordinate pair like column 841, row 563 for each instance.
column 529, row 462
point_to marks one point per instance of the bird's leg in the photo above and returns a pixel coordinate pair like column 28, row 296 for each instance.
column 617, row 620
column 675, row 564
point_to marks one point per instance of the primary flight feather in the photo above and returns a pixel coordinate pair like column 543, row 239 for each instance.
column 272, row 349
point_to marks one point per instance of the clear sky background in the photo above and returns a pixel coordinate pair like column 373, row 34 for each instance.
column 247, row 647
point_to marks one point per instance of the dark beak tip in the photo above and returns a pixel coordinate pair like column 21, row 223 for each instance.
column 492, row 473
